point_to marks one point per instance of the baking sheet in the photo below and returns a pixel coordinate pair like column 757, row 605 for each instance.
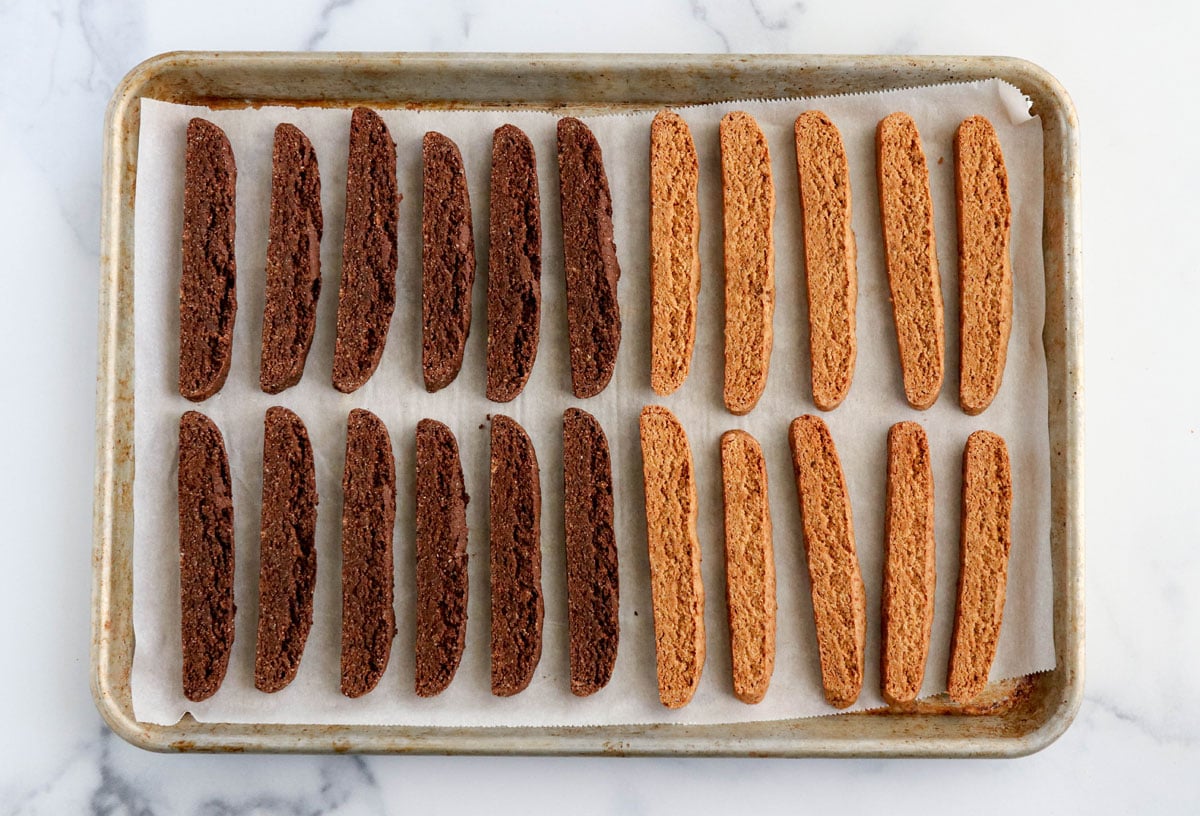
column 396, row 394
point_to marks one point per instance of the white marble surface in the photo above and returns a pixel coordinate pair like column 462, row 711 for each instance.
column 1135, row 746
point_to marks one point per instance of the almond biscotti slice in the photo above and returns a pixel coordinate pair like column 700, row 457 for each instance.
column 910, row 565
column 748, row 192
column 838, row 595
column 674, row 250
column 749, row 565
column 985, row 279
column 983, row 576
column 906, row 212
column 830, row 256
column 676, row 586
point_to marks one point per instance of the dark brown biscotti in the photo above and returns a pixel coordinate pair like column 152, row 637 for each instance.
column 367, row 295
column 987, row 494
column 514, row 291
column 206, row 555
column 906, row 212
column 590, row 256
column 368, row 514
column 515, row 541
column 830, row 256
column 208, row 279
column 593, row 583
column 293, row 260
column 910, row 566
column 985, row 278
column 441, row 542
column 676, row 586
column 287, row 549
column 447, row 261
column 838, row 595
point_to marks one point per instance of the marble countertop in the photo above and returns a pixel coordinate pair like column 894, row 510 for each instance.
column 1135, row 745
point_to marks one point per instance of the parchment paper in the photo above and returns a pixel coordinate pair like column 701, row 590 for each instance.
column 396, row 394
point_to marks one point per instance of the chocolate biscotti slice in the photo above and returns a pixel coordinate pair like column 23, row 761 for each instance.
column 910, row 565
column 830, row 257
column 208, row 279
column 515, row 542
column 447, row 261
column 748, row 192
column 676, row 586
column 441, row 542
column 287, row 549
column 987, row 495
column 749, row 565
column 838, row 595
column 293, row 260
column 590, row 257
column 368, row 515
column 514, row 292
column 906, row 212
column 985, row 279
column 367, row 295
column 206, row 556
column 593, row 583
column 674, row 250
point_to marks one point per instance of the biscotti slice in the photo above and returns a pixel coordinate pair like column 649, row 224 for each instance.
column 447, row 261
column 441, row 542
column 592, row 579
column 985, row 281
column 208, row 279
column 983, row 570
column 514, row 291
column 367, row 295
column 515, row 541
column 910, row 567
column 674, row 250
column 368, row 515
column 206, row 555
column 906, row 213
column 293, row 260
column 838, row 595
column 676, row 586
column 749, row 565
column 590, row 257
column 287, row 549
column 749, row 200
column 830, row 256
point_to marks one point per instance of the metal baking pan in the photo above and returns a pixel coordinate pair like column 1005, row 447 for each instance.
column 1016, row 717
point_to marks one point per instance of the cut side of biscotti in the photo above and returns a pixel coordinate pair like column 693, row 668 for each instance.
column 749, row 565
column 590, row 257
column 676, row 586
column 985, row 278
column 906, row 212
column 674, row 251
column 910, row 565
column 838, row 595
column 208, row 278
column 987, row 494
column 748, row 193
column 830, row 257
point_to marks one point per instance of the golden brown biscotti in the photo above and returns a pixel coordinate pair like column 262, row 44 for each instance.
column 676, row 586
column 674, row 250
column 749, row 565
column 906, row 212
column 985, row 280
column 749, row 202
column 830, row 256
column 983, row 572
column 838, row 595
column 910, row 565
